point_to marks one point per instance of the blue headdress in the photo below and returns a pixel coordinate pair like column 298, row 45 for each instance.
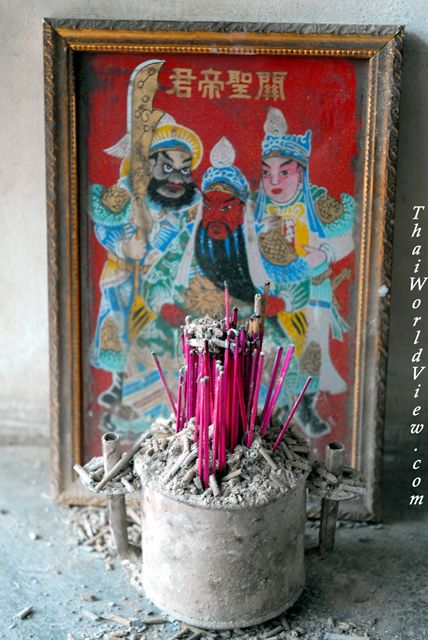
column 222, row 157
column 278, row 143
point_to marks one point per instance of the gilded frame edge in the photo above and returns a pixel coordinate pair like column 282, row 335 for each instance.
column 61, row 39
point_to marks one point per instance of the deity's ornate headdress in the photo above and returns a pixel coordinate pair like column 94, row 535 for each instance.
column 170, row 135
column 223, row 175
column 167, row 135
column 277, row 143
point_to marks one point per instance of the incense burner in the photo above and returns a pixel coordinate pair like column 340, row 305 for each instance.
column 223, row 568
column 215, row 563
column 224, row 561
column 207, row 559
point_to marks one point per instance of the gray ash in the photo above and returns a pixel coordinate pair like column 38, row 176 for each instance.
column 255, row 478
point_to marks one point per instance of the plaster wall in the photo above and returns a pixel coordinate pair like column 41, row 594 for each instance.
column 24, row 371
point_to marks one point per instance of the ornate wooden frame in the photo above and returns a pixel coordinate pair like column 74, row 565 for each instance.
column 380, row 47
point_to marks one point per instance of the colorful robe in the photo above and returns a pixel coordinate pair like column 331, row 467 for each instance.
column 317, row 220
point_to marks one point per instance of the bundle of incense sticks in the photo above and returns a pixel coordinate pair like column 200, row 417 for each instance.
column 219, row 383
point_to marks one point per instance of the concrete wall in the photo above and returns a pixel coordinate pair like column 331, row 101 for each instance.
column 23, row 318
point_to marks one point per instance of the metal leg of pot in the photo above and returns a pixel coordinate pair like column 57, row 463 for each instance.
column 112, row 453
column 334, row 456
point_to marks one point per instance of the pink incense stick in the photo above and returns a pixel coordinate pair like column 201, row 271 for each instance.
column 201, row 445
column 215, row 425
column 187, row 358
column 180, row 390
column 277, row 390
column 202, row 387
column 185, row 345
column 219, row 417
column 206, row 424
column 197, row 409
column 222, row 424
column 242, row 403
column 208, row 372
column 242, row 343
column 235, row 316
column 235, row 423
column 272, row 380
column 195, row 371
column 242, row 354
column 189, row 386
column 226, row 398
column 183, row 412
column 254, row 363
column 226, row 300
column 184, row 395
column 234, row 415
column 255, row 399
column 284, row 428
column 247, row 368
column 206, row 361
column 165, row 385
column 213, row 371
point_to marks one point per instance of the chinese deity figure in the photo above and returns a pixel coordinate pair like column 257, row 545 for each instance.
column 301, row 231
column 218, row 246
column 135, row 238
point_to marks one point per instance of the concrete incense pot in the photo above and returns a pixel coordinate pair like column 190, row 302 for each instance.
column 223, row 568
column 211, row 560
column 232, row 559
column 223, row 483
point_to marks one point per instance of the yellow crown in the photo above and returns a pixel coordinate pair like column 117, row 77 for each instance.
column 171, row 136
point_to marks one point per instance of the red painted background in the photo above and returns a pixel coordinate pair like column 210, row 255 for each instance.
column 320, row 94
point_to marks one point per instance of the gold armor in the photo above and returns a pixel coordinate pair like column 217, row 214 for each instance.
column 328, row 209
column 115, row 198
column 276, row 249
column 110, row 340
column 203, row 296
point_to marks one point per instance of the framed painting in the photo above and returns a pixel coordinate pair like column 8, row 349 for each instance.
column 182, row 156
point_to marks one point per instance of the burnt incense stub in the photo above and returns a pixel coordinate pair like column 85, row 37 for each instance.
column 124, row 482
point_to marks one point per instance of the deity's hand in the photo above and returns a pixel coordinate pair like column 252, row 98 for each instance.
column 135, row 248
column 172, row 314
column 274, row 306
column 314, row 256
column 271, row 223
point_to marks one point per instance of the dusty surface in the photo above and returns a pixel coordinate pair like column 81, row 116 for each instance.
column 257, row 475
column 374, row 584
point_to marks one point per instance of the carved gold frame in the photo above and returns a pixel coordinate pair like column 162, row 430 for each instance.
column 381, row 48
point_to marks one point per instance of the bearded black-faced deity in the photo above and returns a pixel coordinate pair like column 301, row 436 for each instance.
column 135, row 238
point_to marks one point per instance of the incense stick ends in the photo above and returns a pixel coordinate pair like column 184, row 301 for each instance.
column 249, row 477
column 348, row 483
column 122, row 482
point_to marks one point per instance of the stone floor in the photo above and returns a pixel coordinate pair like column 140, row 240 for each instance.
column 376, row 578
